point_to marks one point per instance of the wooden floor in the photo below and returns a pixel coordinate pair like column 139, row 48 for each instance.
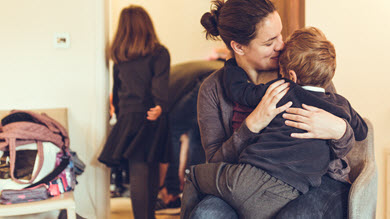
column 121, row 209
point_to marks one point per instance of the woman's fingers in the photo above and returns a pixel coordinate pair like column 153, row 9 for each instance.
column 298, row 111
column 279, row 89
column 295, row 117
column 283, row 108
column 278, row 96
column 274, row 85
column 310, row 108
column 302, row 135
column 298, row 125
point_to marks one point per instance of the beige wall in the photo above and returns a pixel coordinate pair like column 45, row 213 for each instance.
column 36, row 75
column 177, row 23
column 360, row 31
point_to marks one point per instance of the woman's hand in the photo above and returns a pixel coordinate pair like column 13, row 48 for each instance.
column 318, row 123
column 266, row 110
column 154, row 113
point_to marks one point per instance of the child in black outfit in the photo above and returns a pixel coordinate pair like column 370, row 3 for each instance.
column 293, row 165
column 140, row 138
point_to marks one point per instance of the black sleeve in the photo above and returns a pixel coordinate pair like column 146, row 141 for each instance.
column 160, row 80
column 115, row 98
column 239, row 90
column 358, row 125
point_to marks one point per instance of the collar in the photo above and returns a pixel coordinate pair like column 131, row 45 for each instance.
column 315, row 89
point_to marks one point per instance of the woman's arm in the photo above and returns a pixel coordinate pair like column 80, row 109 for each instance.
column 218, row 145
column 215, row 140
column 321, row 124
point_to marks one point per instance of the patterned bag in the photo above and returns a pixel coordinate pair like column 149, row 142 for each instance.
column 66, row 180
column 13, row 196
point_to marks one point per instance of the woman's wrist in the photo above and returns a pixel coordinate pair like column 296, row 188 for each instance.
column 253, row 124
column 339, row 129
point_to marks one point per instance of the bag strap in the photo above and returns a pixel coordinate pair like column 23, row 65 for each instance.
column 65, row 159
column 12, row 154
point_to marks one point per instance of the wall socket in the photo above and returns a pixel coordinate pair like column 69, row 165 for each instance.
column 62, row 40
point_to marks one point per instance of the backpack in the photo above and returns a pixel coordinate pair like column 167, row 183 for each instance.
column 26, row 127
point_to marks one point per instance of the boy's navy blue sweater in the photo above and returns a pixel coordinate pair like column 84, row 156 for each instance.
column 298, row 162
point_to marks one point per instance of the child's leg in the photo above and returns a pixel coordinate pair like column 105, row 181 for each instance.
column 202, row 180
column 252, row 192
column 144, row 179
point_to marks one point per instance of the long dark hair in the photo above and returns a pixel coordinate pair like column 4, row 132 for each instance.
column 235, row 19
column 135, row 35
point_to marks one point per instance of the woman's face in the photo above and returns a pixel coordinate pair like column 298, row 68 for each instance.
column 263, row 51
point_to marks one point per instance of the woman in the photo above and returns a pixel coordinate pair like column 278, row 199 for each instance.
column 251, row 30
column 140, row 95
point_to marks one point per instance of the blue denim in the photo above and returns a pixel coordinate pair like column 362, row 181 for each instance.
column 183, row 121
column 330, row 200
column 213, row 207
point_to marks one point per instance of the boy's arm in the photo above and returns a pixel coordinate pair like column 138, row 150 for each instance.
column 356, row 131
column 239, row 90
column 342, row 146
column 358, row 124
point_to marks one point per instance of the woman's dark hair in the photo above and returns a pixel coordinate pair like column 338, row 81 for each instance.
column 135, row 35
column 235, row 19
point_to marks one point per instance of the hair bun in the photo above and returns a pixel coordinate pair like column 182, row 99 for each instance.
column 210, row 19
column 210, row 23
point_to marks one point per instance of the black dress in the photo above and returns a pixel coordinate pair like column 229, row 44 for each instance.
column 139, row 85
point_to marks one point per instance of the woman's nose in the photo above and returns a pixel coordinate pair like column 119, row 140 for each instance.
column 280, row 44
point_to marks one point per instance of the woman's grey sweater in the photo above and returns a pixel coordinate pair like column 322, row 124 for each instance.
column 222, row 144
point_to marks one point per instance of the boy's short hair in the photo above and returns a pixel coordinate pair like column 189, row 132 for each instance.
column 310, row 55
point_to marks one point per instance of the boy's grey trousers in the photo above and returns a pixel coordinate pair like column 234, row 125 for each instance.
column 252, row 192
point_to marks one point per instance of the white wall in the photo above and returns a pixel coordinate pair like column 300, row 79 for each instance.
column 360, row 31
column 36, row 75
column 178, row 27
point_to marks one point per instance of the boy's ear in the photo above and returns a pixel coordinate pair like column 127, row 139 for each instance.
column 292, row 76
column 237, row 48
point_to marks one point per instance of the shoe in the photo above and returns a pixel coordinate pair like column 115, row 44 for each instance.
column 172, row 207
column 118, row 192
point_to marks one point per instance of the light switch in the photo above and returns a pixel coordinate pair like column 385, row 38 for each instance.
column 62, row 40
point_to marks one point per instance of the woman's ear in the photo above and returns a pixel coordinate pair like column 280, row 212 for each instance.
column 292, row 76
column 237, row 48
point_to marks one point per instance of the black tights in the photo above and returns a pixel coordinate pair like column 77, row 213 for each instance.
column 144, row 179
